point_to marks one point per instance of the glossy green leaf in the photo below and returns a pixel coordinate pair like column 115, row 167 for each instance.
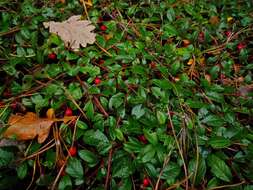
column 219, row 168
column 74, row 168
column 219, row 142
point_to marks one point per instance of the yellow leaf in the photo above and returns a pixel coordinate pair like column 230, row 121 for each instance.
column 202, row 60
column 50, row 113
column 229, row 19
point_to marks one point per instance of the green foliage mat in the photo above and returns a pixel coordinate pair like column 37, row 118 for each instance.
column 163, row 98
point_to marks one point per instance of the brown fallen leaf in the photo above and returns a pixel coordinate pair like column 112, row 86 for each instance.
column 29, row 126
column 214, row 20
column 74, row 31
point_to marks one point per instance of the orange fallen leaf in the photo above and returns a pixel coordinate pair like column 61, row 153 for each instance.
column 190, row 62
column 29, row 126
column 186, row 43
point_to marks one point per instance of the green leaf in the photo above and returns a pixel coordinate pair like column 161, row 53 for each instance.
column 5, row 157
column 171, row 171
column 170, row 30
column 162, row 83
column 97, row 139
column 151, row 137
column 198, row 171
column 65, row 183
column 175, row 68
column 89, row 109
column 161, row 117
column 148, row 153
column 74, row 168
column 171, row 14
column 80, row 124
column 219, row 142
column 119, row 134
column 116, row 100
column 219, row 168
column 22, row 170
column 75, row 91
column 213, row 120
column 138, row 111
column 122, row 167
column 216, row 96
column 89, row 157
column 132, row 146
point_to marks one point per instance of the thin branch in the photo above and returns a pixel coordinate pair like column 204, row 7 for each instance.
column 108, row 169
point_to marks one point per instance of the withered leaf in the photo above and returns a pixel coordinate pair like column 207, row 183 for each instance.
column 29, row 126
column 74, row 31
column 214, row 20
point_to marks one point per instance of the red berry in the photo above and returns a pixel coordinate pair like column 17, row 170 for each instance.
column 101, row 62
column 228, row 33
column 153, row 65
column 52, row 56
column 72, row 151
column 201, row 37
column 143, row 139
column 103, row 28
column 97, row 81
column 146, row 182
column 241, row 46
column 68, row 112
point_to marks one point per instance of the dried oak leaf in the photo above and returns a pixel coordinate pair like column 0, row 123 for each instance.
column 74, row 31
column 29, row 126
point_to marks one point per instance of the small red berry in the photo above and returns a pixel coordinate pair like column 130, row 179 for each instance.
column 101, row 61
column 146, row 182
column 97, row 81
column 241, row 46
column 153, row 65
column 52, row 56
column 143, row 139
column 68, row 112
column 228, row 33
column 201, row 37
column 72, row 151
column 103, row 27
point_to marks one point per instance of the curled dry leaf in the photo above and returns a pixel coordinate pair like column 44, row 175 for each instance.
column 29, row 126
column 74, row 31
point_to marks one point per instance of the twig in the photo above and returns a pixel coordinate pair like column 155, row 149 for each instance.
column 33, row 176
column 227, row 186
column 40, row 152
column 108, row 169
column 74, row 133
column 12, row 30
column 178, row 183
column 166, row 161
column 100, row 107
column 59, row 174
column 104, row 50
column 85, row 9
column 179, row 149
